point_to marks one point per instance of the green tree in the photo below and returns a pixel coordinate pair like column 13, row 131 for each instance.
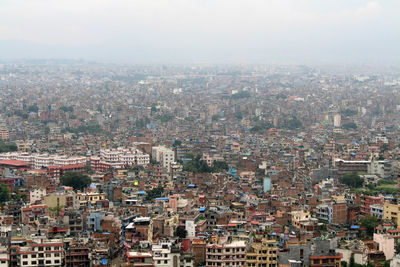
column 353, row 180
column 181, row 232
column 349, row 112
column 177, row 143
column 369, row 222
column 33, row 108
column 76, row 180
column 8, row 147
column 219, row 165
column 154, row 193
column 4, row 193
column 352, row 262
column 349, row 125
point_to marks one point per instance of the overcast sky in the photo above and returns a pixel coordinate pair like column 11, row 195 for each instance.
column 172, row 31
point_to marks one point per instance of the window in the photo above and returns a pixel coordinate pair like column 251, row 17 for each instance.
column 24, row 263
column 48, row 248
column 24, row 256
column 33, row 262
column 56, row 261
column 33, row 255
column 48, row 262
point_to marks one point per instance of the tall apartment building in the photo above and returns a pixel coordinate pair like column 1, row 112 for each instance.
column 77, row 256
column 335, row 213
column 391, row 212
column 4, row 133
column 127, row 156
column 226, row 254
column 163, row 155
column 367, row 201
column 262, row 254
column 38, row 252
column 166, row 254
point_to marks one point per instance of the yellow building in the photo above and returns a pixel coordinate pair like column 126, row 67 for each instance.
column 299, row 217
column 61, row 200
column 264, row 254
column 391, row 212
column 90, row 197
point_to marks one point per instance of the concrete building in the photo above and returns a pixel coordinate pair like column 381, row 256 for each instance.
column 262, row 254
column 377, row 210
column 139, row 259
column 167, row 254
column 41, row 253
column 163, row 155
column 386, row 244
column 226, row 254
column 391, row 212
column 335, row 213
column 36, row 194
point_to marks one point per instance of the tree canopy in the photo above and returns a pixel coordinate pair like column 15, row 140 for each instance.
column 353, row 180
column 7, row 147
column 76, row 180
column 369, row 222
column 4, row 193
column 197, row 165
column 154, row 193
column 181, row 232
column 349, row 125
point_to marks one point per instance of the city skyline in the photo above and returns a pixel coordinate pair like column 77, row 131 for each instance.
column 193, row 31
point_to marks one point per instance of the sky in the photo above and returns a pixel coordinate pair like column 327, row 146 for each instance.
column 202, row 31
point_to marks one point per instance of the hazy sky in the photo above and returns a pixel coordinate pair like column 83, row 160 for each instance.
column 138, row 31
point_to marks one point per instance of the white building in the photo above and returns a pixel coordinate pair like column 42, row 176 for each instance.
column 46, row 253
column 36, row 194
column 127, row 156
column 163, row 155
column 38, row 161
column 167, row 255
column 337, row 120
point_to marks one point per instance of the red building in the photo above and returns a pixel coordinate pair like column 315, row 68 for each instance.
column 367, row 201
column 58, row 171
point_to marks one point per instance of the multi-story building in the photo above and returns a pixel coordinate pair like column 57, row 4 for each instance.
column 37, row 161
column 167, row 254
column 36, row 194
column 300, row 216
column 84, row 198
column 335, row 213
column 226, row 254
column 349, row 166
column 119, row 158
column 377, row 210
column 74, row 221
column 77, row 256
column 39, row 252
column 127, row 156
column 261, row 254
column 391, row 212
column 4, row 133
column 163, row 155
column 139, row 259
column 367, row 201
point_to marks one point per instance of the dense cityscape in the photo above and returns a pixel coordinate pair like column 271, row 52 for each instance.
column 198, row 165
